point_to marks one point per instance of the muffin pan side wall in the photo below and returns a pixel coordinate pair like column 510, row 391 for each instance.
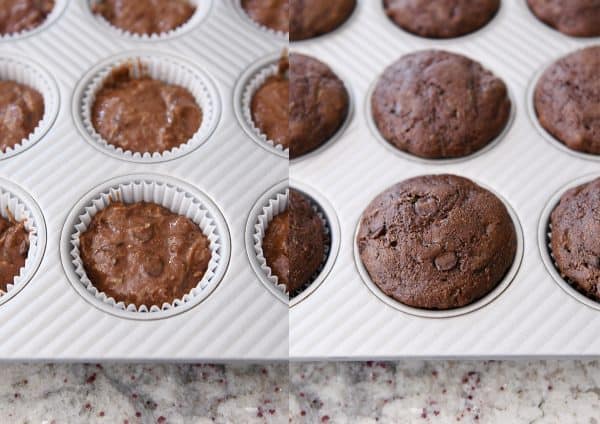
column 47, row 319
column 533, row 317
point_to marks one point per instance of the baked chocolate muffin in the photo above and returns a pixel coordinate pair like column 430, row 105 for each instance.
column 437, row 105
column 14, row 247
column 145, row 17
column 566, row 100
column 294, row 243
column 141, row 114
column 270, row 106
column 441, row 18
column 22, row 15
column 311, row 18
column 319, row 104
column 575, row 238
column 273, row 14
column 21, row 110
column 143, row 254
column 578, row 18
column 437, row 242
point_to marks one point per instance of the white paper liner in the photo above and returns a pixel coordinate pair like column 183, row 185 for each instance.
column 276, row 205
column 59, row 7
column 284, row 36
column 177, row 201
column 203, row 8
column 29, row 73
column 251, row 88
column 11, row 205
column 169, row 70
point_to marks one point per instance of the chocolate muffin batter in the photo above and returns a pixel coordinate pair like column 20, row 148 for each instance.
column 141, row 114
column 270, row 106
column 21, row 110
column 575, row 238
column 145, row 16
column 434, row 104
column 21, row 15
column 567, row 100
column 294, row 243
column 437, row 242
column 579, row 18
column 319, row 104
column 14, row 247
column 143, row 254
column 311, row 18
column 273, row 14
column 441, row 18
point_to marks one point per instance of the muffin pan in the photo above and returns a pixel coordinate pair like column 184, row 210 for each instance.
column 344, row 318
column 53, row 316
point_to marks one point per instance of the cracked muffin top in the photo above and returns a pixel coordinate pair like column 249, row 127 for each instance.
column 436, row 242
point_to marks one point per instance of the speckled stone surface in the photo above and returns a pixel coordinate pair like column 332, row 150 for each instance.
column 400, row 392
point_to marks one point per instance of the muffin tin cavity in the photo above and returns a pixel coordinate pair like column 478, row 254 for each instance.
column 250, row 81
column 391, row 148
column 203, row 8
column 53, row 16
column 478, row 304
column 177, row 196
column 16, row 204
column 273, row 202
column 544, row 237
column 166, row 68
column 278, row 35
column 533, row 116
column 31, row 74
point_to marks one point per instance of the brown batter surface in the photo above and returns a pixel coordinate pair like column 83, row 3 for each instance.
column 270, row 106
column 21, row 109
column 275, row 247
column 14, row 247
column 145, row 16
column 273, row 14
column 143, row 114
column 143, row 254
column 21, row 15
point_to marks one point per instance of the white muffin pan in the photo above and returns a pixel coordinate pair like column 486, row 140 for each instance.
column 344, row 318
column 233, row 317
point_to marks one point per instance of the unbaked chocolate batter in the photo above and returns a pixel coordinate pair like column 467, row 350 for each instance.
column 143, row 114
column 21, row 15
column 14, row 247
column 143, row 254
column 270, row 106
column 273, row 14
column 145, row 16
column 21, row 109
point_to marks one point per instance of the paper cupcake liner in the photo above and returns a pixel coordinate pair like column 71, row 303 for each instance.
column 283, row 36
column 203, row 8
column 13, row 206
column 169, row 196
column 276, row 205
column 59, row 8
column 31, row 74
column 165, row 68
column 251, row 88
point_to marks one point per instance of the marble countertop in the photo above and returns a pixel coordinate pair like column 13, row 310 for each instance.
column 399, row 392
